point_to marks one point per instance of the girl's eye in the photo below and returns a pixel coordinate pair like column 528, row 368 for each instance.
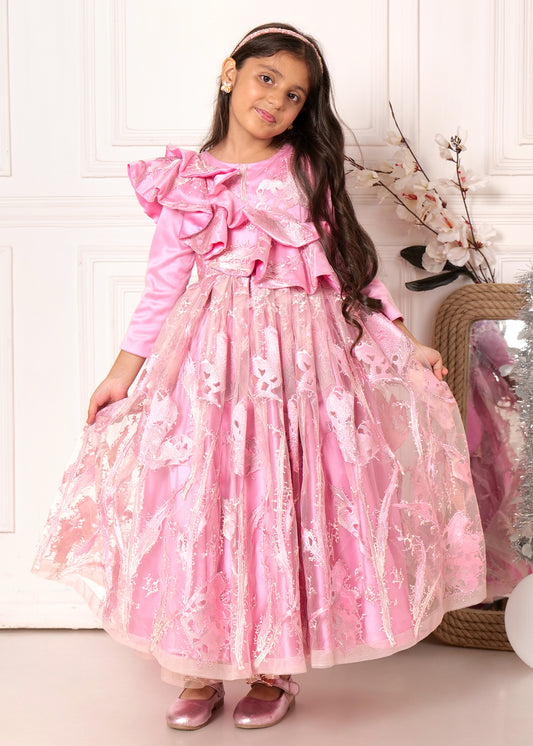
column 294, row 97
column 266, row 78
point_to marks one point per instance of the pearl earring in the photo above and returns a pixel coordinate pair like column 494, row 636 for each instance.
column 225, row 87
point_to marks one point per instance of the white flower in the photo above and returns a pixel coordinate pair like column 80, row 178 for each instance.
column 430, row 265
column 393, row 138
column 434, row 258
column 457, row 234
column 429, row 206
column 444, row 184
column 446, row 154
column 441, row 141
column 404, row 214
column 484, row 234
column 401, row 164
column 440, row 219
column 393, row 170
column 437, row 250
column 457, row 141
column 409, row 188
column 482, row 258
column 404, row 158
column 457, row 254
column 470, row 180
column 462, row 134
column 366, row 178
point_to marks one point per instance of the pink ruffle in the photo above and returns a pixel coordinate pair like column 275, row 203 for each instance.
column 179, row 181
column 183, row 181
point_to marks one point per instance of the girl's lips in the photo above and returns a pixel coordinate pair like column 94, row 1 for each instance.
column 265, row 116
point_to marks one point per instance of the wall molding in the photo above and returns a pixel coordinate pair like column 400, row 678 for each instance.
column 122, row 134
column 512, row 95
column 7, row 425
column 71, row 211
column 5, row 117
column 404, row 66
column 37, row 615
column 106, row 136
column 497, row 209
column 526, row 66
column 110, row 281
column 108, row 140
column 512, row 261
column 394, row 275
column 121, row 212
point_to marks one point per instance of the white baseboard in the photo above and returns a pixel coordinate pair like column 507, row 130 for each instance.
column 47, row 616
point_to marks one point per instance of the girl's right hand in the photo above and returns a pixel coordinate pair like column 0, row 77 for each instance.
column 116, row 384
column 109, row 391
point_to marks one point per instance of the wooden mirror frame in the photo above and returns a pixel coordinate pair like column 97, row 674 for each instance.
column 451, row 332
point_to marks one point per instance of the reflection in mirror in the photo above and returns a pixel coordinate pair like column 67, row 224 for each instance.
column 477, row 336
column 495, row 442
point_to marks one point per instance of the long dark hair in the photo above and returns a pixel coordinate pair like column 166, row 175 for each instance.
column 318, row 165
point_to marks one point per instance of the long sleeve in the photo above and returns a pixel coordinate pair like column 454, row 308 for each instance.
column 376, row 289
column 169, row 268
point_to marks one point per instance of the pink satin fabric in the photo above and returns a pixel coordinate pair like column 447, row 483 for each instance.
column 202, row 217
column 266, row 499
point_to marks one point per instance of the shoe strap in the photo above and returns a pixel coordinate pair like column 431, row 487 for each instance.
column 287, row 685
column 218, row 686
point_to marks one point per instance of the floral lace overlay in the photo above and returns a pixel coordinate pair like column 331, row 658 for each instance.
column 267, row 499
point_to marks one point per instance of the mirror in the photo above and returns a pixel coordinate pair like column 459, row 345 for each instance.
column 477, row 334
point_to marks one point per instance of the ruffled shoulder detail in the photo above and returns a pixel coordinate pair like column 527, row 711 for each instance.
column 268, row 239
column 178, row 180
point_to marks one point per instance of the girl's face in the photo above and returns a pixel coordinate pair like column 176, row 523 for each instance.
column 267, row 95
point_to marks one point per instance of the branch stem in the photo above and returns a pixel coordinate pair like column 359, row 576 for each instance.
column 404, row 142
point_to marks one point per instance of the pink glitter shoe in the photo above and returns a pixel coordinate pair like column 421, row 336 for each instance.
column 190, row 714
column 258, row 713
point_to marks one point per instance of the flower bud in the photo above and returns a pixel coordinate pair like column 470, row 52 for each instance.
column 442, row 141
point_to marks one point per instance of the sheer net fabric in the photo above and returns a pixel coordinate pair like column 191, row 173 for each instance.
column 266, row 499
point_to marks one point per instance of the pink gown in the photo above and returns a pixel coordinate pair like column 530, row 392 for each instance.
column 265, row 499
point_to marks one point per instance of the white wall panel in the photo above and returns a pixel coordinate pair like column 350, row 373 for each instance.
column 512, row 262
column 111, row 280
column 70, row 212
column 526, row 135
column 88, row 85
column 5, row 123
column 141, row 75
column 7, row 495
column 512, row 106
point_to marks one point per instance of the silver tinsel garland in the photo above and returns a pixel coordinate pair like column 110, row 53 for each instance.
column 523, row 374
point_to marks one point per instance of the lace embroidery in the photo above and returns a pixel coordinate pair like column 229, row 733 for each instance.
column 265, row 499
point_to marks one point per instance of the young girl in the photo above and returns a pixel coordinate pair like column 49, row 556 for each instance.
column 288, row 484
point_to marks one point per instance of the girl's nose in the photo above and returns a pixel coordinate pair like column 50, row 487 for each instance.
column 275, row 99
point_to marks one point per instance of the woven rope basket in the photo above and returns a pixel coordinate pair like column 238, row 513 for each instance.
column 472, row 627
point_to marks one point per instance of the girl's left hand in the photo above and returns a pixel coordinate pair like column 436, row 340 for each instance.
column 425, row 354
column 433, row 357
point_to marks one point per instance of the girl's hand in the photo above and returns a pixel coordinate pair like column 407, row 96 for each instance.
column 433, row 357
column 116, row 384
column 425, row 354
column 109, row 391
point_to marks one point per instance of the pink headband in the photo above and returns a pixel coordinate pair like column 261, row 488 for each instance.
column 275, row 30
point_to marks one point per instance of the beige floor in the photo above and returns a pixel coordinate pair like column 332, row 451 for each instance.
column 68, row 688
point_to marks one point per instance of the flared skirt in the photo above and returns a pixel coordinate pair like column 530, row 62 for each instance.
column 268, row 498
